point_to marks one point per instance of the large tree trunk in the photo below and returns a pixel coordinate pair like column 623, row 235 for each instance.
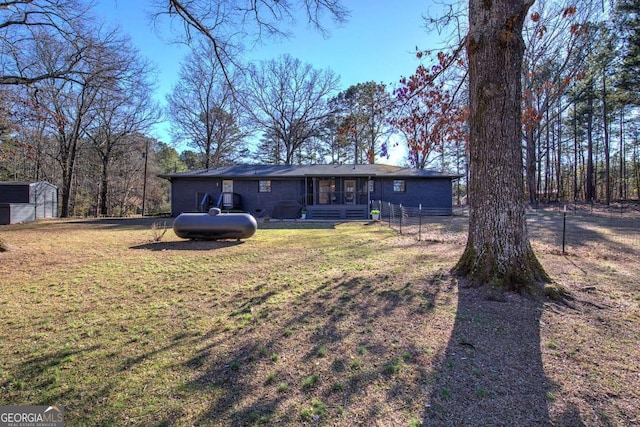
column 589, row 192
column 498, row 252
column 636, row 167
column 575, row 152
column 607, row 154
column 104, row 186
column 547, row 156
column 560, row 193
column 530, row 166
column 67, row 162
column 623, row 174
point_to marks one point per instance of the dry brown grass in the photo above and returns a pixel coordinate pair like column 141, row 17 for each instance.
column 4, row 247
column 311, row 324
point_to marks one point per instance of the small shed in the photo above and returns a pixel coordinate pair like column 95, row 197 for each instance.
column 27, row 201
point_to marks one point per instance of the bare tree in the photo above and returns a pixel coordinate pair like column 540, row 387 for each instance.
column 132, row 185
column 431, row 115
column 288, row 101
column 69, row 106
column 206, row 115
column 556, row 36
column 228, row 24
column 498, row 251
column 121, row 109
column 23, row 22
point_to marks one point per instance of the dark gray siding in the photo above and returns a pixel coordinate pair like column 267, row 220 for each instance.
column 5, row 213
column 430, row 193
column 14, row 193
column 16, row 213
column 260, row 204
column 184, row 195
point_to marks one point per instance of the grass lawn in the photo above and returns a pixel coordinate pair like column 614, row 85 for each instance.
column 305, row 324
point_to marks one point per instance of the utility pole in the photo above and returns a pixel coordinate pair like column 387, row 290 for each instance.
column 144, row 182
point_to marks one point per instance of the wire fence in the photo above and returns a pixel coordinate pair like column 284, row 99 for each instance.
column 606, row 231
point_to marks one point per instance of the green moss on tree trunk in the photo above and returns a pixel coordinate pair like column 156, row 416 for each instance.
column 498, row 252
column 484, row 270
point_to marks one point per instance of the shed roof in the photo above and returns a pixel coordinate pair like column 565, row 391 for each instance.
column 22, row 183
column 25, row 183
column 301, row 171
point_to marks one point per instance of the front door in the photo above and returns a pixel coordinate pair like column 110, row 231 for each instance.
column 326, row 191
column 227, row 193
column 350, row 191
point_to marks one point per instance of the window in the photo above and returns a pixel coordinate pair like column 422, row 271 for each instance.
column 264, row 186
column 399, row 186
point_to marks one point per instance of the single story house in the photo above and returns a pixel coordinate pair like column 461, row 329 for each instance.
column 27, row 201
column 322, row 191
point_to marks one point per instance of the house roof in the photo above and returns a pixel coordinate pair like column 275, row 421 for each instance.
column 301, row 171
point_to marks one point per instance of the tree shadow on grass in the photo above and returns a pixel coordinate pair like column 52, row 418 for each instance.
column 263, row 377
column 189, row 245
column 288, row 224
column 43, row 372
column 606, row 236
column 471, row 388
column 131, row 223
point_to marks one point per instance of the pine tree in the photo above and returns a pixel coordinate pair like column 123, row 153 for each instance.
column 628, row 19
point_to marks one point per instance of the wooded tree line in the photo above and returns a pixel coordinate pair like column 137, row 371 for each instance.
column 76, row 104
column 580, row 90
column 77, row 107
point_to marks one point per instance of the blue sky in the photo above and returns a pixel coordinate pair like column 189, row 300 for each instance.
column 378, row 42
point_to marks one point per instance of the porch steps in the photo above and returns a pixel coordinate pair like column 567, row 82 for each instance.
column 337, row 212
